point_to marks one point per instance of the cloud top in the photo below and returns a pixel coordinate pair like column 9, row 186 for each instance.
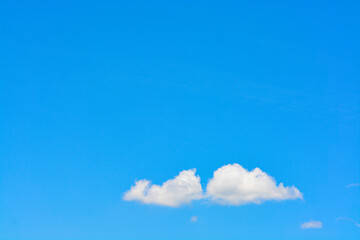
column 183, row 189
column 311, row 224
column 234, row 185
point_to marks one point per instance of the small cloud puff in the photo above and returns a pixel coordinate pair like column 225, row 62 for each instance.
column 311, row 224
column 174, row 192
column 234, row 185
column 193, row 219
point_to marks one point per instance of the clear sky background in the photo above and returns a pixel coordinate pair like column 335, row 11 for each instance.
column 94, row 96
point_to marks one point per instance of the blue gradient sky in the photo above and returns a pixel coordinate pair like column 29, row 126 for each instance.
column 96, row 95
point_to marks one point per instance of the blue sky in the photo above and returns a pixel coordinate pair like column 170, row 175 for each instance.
column 95, row 96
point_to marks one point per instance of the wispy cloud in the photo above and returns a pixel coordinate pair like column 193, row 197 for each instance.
column 193, row 219
column 353, row 185
column 234, row 185
column 349, row 220
column 311, row 224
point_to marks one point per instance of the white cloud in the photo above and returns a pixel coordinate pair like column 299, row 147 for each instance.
column 311, row 224
column 194, row 219
column 174, row 192
column 234, row 185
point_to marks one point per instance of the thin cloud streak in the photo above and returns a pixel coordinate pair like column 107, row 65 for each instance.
column 349, row 220
column 353, row 185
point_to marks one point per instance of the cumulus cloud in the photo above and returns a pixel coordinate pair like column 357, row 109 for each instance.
column 234, row 185
column 311, row 224
column 174, row 192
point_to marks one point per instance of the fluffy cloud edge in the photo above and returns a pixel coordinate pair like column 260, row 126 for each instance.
column 234, row 185
column 181, row 190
